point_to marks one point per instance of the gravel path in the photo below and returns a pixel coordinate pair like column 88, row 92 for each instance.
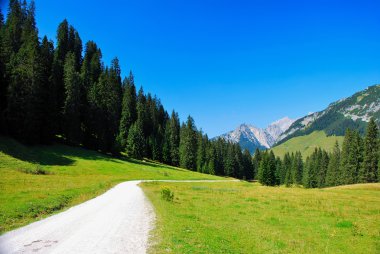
column 118, row 221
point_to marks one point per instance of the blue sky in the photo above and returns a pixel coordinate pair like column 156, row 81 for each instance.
column 229, row 62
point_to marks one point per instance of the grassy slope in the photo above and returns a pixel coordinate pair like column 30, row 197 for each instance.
column 307, row 144
column 74, row 175
column 248, row 218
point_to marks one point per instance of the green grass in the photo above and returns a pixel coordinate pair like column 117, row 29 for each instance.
column 38, row 181
column 240, row 217
column 306, row 144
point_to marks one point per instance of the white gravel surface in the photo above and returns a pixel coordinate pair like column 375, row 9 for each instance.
column 118, row 221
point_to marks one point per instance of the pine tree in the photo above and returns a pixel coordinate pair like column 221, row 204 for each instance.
column 57, row 73
column 285, row 174
column 348, row 167
column 25, row 101
column 368, row 170
column 298, row 168
column 247, row 165
column 267, row 169
column 90, row 72
column 256, row 159
column 72, row 104
column 201, row 151
column 128, row 111
column 136, row 141
column 3, row 82
column 278, row 170
column 47, row 93
column 174, row 126
column 332, row 175
column 323, row 160
column 188, row 145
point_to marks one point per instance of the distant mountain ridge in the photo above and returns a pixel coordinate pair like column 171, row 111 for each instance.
column 353, row 112
column 250, row 137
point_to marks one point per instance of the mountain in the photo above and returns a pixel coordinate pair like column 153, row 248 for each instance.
column 353, row 112
column 250, row 137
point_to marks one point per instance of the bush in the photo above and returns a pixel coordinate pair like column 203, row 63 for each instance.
column 167, row 194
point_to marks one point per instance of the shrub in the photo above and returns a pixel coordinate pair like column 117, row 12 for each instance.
column 167, row 194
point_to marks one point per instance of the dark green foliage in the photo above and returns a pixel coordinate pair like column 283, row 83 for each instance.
column 105, row 104
column 256, row 159
column 72, row 104
column 351, row 157
column 136, row 141
column 174, row 138
column 297, row 168
column 25, row 89
column 368, row 171
column 267, row 169
column 350, row 165
column 333, row 175
column 188, row 145
column 285, row 173
column 128, row 110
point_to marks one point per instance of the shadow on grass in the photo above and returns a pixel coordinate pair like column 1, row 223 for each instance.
column 150, row 163
column 32, row 154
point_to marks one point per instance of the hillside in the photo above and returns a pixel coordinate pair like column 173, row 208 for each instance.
column 38, row 181
column 353, row 112
column 306, row 144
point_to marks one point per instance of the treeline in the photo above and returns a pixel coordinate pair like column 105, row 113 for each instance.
column 356, row 162
column 63, row 91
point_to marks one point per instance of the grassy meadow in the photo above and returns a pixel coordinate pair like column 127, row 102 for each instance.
column 306, row 144
column 38, row 181
column 241, row 217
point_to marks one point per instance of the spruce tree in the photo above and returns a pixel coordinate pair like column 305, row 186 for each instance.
column 188, row 145
column 201, row 151
column 285, row 174
column 136, row 141
column 174, row 126
column 248, row 172
column 25, row 101
column 128, row 110
column 72, row 104
column 298, row 168
column 368, row 170
column 90, row 72
column 256, row 159
column 333, row 173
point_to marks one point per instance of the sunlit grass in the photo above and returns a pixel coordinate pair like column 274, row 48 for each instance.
column 70, row 176
column 249, row 218
column 306, row 144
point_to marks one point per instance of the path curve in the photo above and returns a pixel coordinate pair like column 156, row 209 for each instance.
column 118, row 221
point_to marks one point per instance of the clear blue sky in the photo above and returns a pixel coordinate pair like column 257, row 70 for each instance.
column 229, row 62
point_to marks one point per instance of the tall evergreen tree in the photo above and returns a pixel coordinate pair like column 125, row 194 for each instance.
column 333, row 173
column 369, row 168
column 267, row 169
column 90, row 72
column 201, row 152
column 188, row 145
column 24, row 111
column 136, row 141
column 174, row 126
column 256, row 159
column 248, row 172
column 128, row 110
column 72, row 104
column 47, row 93
column 297, row 168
